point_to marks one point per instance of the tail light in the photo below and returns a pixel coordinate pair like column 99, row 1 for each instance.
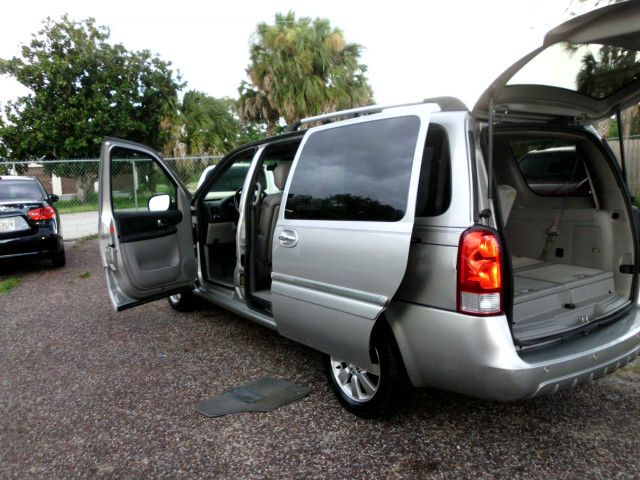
column 479, row 273
column 44, row 213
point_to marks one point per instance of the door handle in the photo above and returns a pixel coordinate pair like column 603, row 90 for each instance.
column 288, row 237
column 162, row 223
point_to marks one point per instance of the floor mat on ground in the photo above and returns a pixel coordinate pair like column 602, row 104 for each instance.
column 262, row 395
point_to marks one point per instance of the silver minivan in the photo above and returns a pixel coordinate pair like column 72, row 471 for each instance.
column 491, row 252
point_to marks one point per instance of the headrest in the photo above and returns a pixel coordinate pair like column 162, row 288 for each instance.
column 280, row 174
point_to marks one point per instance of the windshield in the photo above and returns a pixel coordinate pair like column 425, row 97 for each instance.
column 229, row 182
column 20, row 190
column 592, row 69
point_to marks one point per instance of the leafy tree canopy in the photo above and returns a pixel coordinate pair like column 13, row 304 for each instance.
column 301, row 67
column 212, row 126
column 84, row 88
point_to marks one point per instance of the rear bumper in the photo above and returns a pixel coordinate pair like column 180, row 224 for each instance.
column 45, row 241
column 476, row 356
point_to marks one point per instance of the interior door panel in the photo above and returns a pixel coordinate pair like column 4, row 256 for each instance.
column 146, row 254
column 152, row 261
column 137, row 226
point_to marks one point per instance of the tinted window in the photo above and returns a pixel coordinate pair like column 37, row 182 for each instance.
column 434, row 189
column 596, row 70
column 356, row 172
column 274, row 155
column 551, row 167
column 20, row 190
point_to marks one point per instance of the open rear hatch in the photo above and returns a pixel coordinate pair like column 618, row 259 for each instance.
column 587, row 69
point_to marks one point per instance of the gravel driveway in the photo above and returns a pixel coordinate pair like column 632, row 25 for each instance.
column 85, row 392
column 78, row 225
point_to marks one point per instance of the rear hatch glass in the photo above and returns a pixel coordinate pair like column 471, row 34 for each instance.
column 586, row 68
column 591, row 69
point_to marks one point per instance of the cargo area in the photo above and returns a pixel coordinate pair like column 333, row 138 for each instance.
column 552, row 297
column 568, row 232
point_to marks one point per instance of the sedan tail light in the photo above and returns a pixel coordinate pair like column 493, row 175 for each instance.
column 479, row 273
column 44, row 213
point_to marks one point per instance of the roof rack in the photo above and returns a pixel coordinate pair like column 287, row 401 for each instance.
column 446, row 104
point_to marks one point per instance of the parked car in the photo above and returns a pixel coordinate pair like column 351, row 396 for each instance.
column 407, row 245
column 29, row 223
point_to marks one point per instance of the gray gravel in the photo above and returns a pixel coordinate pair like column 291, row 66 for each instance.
column 85, row 392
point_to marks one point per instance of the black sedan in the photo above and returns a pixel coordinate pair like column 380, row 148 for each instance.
column 29, row 223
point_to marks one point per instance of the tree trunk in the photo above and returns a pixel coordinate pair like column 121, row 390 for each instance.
column 85, row 187
column 627, row 120
column 604, row 127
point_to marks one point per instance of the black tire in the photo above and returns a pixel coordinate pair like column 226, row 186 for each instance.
column 59, row 260
column 183, row 302
column 393, row 383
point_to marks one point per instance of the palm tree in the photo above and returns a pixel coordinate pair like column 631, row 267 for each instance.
column 301, row 67
column 210, row 124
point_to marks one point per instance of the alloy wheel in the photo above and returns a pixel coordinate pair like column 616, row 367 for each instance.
column 356, row 383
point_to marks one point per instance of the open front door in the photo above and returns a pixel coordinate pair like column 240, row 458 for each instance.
column 145, row 231
column 342, row 239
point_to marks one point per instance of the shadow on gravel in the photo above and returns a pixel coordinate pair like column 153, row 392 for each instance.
column 24, row 266
column 566, row 416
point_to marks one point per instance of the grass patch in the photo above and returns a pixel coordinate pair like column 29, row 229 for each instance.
column 72, row 206
column 85, row 275
column 9, row 284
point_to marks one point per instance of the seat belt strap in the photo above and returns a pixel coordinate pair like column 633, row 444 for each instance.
column 554, row 230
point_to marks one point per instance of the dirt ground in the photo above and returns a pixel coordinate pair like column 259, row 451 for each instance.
column 86, row 391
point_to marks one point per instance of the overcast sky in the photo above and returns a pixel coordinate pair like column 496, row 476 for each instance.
column 413, row 49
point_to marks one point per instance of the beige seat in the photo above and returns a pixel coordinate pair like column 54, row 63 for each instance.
column 507, row 195
column 267, row 218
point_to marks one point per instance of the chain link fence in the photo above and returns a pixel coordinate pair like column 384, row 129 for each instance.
column 75, row 181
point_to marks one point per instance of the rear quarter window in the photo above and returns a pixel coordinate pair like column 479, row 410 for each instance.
column 355, row 172
column 434, row 188
column 551, row 167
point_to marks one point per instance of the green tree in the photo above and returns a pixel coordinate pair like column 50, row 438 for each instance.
column 211, row 124
column 84, row 88
column 609, row 70
column 298, row 68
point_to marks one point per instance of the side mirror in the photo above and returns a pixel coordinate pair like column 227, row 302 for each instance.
column 159, row 203
column 52, row 198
